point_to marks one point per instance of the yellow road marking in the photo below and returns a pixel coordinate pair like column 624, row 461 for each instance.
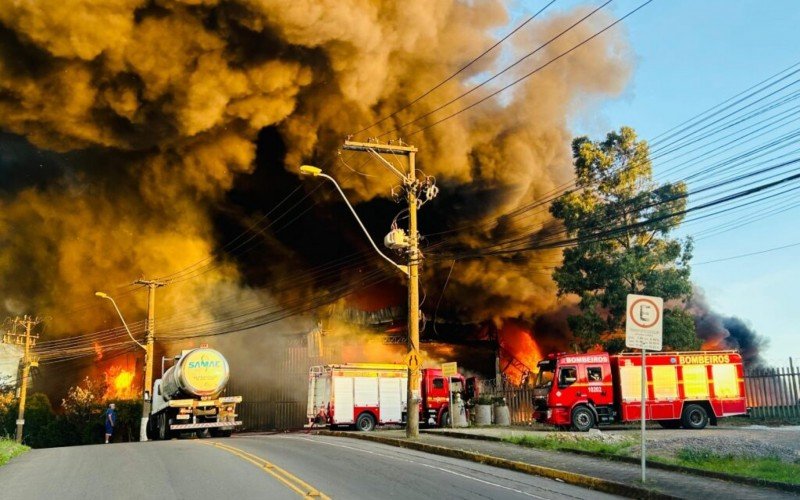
column 293, row 482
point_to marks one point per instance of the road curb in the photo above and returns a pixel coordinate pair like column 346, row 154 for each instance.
column 792, row 488
column 594, row 483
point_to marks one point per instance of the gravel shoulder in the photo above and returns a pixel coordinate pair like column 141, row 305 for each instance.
column 752, row 440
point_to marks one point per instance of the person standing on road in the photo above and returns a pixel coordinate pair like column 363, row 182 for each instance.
column 110, row 420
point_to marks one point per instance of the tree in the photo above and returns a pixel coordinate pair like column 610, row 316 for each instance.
column 621, row 221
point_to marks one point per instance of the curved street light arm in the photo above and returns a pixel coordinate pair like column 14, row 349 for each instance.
column 403, row 269
column 104, row 296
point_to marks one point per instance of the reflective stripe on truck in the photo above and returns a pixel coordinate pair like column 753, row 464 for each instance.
column 205, row 425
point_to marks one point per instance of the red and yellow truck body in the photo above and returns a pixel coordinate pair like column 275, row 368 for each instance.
column 368, row 394
column 688, row 389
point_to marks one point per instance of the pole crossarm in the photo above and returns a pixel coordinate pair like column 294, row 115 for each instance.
column 379, row 148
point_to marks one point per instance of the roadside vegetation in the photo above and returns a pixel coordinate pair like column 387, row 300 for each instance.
column 77, row 421
column 769, row 468
column 565, row 442
column 10, row 449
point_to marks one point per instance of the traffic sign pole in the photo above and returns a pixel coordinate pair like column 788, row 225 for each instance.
column 644, row 330
column 644, row 398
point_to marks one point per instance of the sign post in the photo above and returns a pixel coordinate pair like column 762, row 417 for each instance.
column 644, row 320
column 449, row 370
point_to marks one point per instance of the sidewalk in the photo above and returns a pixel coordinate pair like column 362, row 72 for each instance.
column 613, row 476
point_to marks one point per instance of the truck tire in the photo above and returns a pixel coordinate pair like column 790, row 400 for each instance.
column 365, row 422
column 221, row 433
column 670, row 424
column 444, row 421
column 149, row 432
column 582, row 419
column 163, row 433
column 694, row 417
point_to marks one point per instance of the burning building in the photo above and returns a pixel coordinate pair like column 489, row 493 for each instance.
column 162, row 139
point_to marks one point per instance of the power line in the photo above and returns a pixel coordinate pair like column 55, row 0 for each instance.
column 531, row 73
column 459, row 71
column 496, row 75
column 740, row 256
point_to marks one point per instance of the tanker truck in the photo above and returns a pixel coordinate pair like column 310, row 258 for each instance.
column 187, row 397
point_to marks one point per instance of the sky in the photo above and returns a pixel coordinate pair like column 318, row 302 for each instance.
column 689, row 56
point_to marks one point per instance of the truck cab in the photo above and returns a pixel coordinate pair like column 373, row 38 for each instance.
column 435, row 408
column 574, row 390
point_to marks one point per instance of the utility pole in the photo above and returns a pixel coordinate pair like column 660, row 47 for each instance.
column 411, row 186
column 27, row 341
column 148, row 357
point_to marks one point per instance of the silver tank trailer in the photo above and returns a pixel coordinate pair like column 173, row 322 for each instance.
column 175, row 383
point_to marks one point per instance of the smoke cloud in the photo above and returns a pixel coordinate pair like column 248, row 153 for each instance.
column 726, row 332
column 139, row 136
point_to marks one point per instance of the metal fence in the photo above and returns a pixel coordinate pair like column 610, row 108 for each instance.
column 773, row 392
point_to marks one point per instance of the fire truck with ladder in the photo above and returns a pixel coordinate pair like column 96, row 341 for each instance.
column 684, row 389
column 368, row 394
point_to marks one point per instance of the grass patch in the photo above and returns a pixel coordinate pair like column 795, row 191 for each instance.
column 10, row 449
column 556, row 442
column 767, row 468
column 740, row 421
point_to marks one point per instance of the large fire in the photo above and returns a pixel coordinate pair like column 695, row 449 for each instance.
column 120, row 383
column 122, row 377
column 519, row 352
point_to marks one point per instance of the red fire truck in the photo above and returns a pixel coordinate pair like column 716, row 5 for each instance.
column 370, row 394
column 688, row 389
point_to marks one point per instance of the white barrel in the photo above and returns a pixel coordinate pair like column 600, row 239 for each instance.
column 501, row 415
column 200, row 372
column 483, row 414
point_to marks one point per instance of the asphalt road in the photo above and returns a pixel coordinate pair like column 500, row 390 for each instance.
column 275, row 467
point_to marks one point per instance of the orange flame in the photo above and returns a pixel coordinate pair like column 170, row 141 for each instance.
column 121, row 381
column 519, row 351
column 119, row 384
column 712, row 345
column 98, row 350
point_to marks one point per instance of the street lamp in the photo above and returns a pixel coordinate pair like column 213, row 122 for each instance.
column 145, row 398
column 105, row 296
column 317, row 172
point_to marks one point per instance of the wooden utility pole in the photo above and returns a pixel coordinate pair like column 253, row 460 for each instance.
column 27, row 340
column 411, row 185
column 148, row 357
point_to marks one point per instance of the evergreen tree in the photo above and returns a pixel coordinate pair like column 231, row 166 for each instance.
column 621, row 220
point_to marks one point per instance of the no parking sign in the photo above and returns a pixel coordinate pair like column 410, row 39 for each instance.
column 644, row 320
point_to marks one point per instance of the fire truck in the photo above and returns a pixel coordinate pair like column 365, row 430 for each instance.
column 368, row 394
column 684, row 389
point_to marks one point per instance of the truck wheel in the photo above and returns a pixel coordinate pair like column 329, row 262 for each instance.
column 365, row 422
column 582, row 419
column 670, row 424
column 221, row 433
column 149, row 432
column 694, row 417
column 163, row 434
column 444, row 421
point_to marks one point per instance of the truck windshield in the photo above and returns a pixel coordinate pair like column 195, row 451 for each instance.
column 544, row 378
